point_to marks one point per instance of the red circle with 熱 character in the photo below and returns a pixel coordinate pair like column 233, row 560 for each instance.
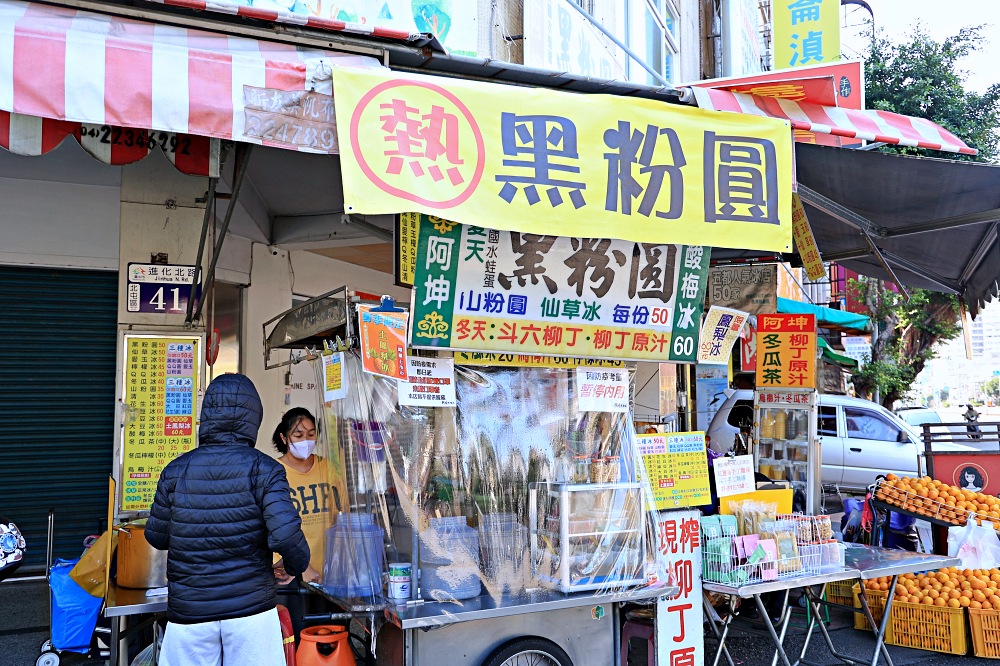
column 477, row 173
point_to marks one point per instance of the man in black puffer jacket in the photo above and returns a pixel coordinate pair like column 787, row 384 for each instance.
column 220, row 511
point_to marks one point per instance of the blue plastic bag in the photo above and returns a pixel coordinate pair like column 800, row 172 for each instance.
column 74, row 611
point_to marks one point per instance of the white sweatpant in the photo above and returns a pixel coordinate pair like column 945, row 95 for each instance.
column 243, row 641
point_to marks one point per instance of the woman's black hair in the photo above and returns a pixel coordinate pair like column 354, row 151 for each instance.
column 971, row 470
column 291, row 418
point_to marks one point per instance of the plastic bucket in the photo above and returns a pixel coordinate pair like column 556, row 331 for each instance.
column 355, row 557
column 449, row 539
column 449, row 583
column 503, row 539
column 370, row 438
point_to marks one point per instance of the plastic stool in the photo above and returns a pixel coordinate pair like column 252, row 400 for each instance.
column 637, row 633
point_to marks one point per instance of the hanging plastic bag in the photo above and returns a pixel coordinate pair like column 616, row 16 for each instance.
column 987, row 545
column 960, row 545
column 90, row 572
column 145, row 657
column 977, row 546
column 74, row 611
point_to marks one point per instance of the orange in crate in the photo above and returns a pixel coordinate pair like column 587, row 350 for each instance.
column 927, row 627
column 985, row 625
column 839, row 592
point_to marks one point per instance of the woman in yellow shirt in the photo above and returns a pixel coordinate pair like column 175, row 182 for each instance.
column 309, row 482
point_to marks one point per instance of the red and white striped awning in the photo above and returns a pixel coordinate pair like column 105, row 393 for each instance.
column 277, row 15
column 869, row 125
column 122, row 86
column 31, row 136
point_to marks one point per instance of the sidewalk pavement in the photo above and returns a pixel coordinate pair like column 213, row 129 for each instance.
column 25, row 625
column 757, row 650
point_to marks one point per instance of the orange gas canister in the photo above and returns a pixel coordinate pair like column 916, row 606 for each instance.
column 324, row 645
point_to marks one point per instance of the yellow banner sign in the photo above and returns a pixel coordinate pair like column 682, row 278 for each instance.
column 805, row 242
column 786, row 351
column 806, row 32
column 552, row 163
column 532, row 361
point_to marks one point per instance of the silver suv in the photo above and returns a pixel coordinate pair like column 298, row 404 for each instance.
column 859, row 438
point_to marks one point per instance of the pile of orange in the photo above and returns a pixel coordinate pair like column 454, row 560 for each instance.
column 951, row 587
column 928, row 497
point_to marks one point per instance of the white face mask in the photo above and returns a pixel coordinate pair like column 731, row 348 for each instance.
column 302, row 449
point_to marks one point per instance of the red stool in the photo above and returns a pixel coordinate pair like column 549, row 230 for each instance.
column 636, row 638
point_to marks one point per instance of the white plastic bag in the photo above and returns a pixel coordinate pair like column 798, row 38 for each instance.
column 977, row 546
column 145, row 657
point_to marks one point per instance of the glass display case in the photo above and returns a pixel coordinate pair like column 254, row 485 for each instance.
column 587, row 536
column 787, row 445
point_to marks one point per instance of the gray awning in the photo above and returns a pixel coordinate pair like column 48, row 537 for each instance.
column 308, row 325
column 935, row 221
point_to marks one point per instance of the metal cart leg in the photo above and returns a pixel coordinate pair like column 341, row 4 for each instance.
column 816, row 601
column 720, row 636
column 880, row 636
column 813, row 611
column 115, row 641
column 50, row 536
column 156, row 643
column 879, row 628
column 779, row 639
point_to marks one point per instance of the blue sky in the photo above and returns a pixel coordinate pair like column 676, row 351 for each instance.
column 940, row 20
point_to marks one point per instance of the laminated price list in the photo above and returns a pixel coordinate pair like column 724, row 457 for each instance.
column 161, row 380
column 676, row 468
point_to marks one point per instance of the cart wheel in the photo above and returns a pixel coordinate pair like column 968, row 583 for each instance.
column 529, row 652
column 46, row 645
column 50, row 658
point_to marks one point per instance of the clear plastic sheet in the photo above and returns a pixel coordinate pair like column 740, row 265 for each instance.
column 512, row 491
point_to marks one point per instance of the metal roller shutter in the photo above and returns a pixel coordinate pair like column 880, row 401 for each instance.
column 57, row 402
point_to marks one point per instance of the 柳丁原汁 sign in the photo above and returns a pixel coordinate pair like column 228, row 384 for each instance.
column 499, row 291
column 786, row 351
column 563, row 165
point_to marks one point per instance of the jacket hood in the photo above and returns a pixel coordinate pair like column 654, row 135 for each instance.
column 231, row 412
